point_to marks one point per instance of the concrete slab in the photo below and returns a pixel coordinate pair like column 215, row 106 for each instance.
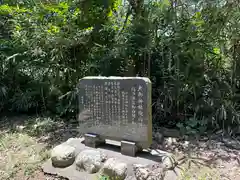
column 111, row 149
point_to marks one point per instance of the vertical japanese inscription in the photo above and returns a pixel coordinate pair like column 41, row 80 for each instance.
column 140, row 105
column 101, row 102
column 118, row 104
column 119, row 108
column 96, row 105
column 88, row 97
column 107, row 105
column 112, row 103
column 93, row 106
column 133, row 91
column 122, row 108
column 126, row 105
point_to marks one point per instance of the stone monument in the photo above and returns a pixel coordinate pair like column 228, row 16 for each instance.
column 116, row 108
column 111, row 108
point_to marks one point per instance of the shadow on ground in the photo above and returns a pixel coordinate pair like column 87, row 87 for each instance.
column 51, row 131
column 222, row 153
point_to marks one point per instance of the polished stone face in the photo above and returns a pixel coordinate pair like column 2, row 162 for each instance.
column 117, row 108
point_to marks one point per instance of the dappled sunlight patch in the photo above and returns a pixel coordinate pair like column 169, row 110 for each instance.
column 34, row 126
column 200, row 173
column 20, row 153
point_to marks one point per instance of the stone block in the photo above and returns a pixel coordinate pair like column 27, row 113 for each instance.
column 128, row 148
column 116, row 108
column 92, row 140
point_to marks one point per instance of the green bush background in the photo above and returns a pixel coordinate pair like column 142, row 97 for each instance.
column 189, row 50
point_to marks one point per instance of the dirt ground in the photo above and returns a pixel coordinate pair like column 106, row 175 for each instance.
column 25, row 143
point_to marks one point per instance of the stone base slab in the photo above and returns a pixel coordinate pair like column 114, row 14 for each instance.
column 111, row 149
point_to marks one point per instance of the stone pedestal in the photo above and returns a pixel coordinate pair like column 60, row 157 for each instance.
column 129, row 148
column 93, row 140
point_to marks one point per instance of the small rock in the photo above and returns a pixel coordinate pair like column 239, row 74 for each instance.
column 158, row 137
column 90, row 160
column 146, row 173
column 186, row 144
column 115, row 169
column 20, row 128
column 63, row 155
column 141, row 172
column 44, row 138
column 170, row 141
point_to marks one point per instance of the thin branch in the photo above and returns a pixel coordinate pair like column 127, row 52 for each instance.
column 126, row 19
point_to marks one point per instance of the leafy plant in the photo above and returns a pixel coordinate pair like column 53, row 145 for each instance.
column 103, row 177
column 193, row 126
column 189, row 49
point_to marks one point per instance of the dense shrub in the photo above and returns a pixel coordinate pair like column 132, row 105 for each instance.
column 188, row 49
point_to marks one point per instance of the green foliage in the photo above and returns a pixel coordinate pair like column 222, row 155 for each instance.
column 193, row 126
column 106, row 177
column 103, row 177
column 188, row 49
